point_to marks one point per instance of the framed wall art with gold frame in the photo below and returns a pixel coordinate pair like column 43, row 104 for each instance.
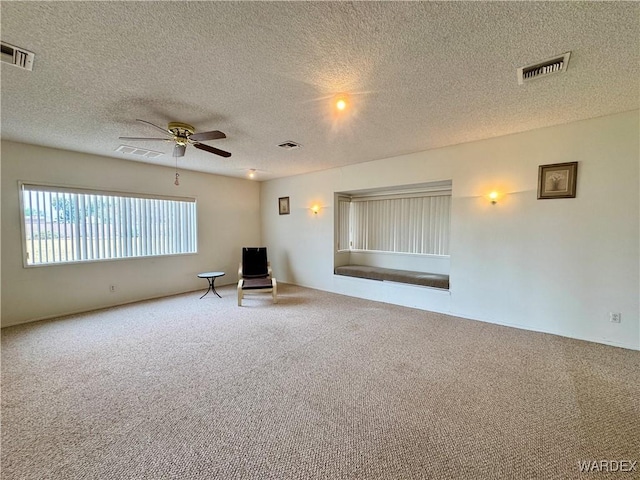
column 557, row 180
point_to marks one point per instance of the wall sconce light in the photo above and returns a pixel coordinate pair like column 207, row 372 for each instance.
column 251, row 173
column 493, row 196
column 315, row 209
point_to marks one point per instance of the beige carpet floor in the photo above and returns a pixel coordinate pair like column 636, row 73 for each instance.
column 320, row 386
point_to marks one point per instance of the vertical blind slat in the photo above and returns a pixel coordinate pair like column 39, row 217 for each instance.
column 39, row 234
column 96, row 222
column 108, row 227
column 75, row 234
column 59, row 220
column 33, row 245
column 49, row 226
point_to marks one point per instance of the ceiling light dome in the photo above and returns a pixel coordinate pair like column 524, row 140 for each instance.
column 341, row 102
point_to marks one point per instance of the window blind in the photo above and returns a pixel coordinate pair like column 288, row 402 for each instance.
column 63, row 225
column 417, row 224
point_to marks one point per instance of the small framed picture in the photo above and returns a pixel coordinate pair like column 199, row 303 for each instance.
column 283, row 206
column 557, row 180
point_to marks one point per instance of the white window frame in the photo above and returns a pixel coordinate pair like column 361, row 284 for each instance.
column 124, row 225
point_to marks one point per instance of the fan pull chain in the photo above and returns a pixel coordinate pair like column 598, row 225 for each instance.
column 177, row 182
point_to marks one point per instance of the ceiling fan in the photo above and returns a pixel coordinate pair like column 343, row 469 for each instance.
column 184, row 134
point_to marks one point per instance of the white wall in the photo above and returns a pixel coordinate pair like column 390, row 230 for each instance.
column 228, row 219
column 557, row 266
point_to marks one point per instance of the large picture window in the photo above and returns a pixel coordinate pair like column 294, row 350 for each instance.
column 412, row 221
column 64, row 225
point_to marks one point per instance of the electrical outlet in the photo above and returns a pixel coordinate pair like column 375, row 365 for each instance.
column 615, row 317
column 112, row 288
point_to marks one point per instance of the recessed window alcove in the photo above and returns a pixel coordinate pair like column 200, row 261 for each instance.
column 398, row 234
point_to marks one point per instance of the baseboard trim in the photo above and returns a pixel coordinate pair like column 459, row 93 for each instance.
column 549, row 332
column 97, row 308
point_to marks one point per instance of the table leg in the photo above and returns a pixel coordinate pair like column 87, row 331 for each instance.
column 210, row 280
column 211, row 287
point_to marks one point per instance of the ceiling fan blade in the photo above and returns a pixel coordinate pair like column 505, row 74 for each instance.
column 210, row 149
column 213, row 135
column 178, row 150
column 164, row 130
column 145, row 138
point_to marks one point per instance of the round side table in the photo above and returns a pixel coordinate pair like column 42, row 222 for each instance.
column 211, row 277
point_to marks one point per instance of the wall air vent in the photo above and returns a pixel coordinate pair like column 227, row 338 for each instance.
column 290, row 145
column 138, row 152
column 553, row 65
column 17, row 56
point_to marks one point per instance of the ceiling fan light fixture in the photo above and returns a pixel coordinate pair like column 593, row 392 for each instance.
column 181, row 129
column 179, row 149
column 183, row 134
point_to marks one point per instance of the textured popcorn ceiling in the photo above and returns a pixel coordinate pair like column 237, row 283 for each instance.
column 419, row 75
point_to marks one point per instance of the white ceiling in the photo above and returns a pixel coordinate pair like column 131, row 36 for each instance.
column 420, row 75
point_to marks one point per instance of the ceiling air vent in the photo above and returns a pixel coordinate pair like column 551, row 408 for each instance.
column 138, row 152
column 553, row 65
column 17, row 56
column 290, row 145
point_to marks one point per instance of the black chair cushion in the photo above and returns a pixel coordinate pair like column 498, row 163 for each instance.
column 254, row 262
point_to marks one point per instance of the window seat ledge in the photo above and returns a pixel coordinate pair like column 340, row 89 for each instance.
column 434, row 280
